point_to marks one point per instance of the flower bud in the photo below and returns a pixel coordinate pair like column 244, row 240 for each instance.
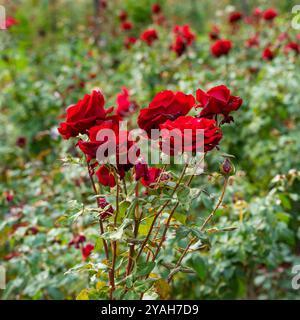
column 227, row 168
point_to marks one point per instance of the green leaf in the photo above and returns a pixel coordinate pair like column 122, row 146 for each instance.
column 145, row 268
column 199, row 265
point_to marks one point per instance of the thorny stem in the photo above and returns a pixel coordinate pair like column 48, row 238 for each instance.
column 207, row 220
column 114, row 243
column 160, row 211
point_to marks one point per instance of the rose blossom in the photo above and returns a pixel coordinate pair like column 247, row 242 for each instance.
column 166, row 105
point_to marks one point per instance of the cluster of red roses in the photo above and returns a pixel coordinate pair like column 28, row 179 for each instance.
column 183, row 38
column 222, row 47
column 168, row 110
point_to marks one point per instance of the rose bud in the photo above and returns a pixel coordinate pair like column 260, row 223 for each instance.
column 21, row 142
column 227, row 168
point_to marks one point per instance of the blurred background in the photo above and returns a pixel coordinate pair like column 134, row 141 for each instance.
column 53, row 52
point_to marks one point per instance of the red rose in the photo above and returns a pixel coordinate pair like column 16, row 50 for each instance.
column 156, row 8
column 292, row 46
column 184, row 31
column 270, row 14
column 179, row 46
column 235, row 17
column 186, row 132
column 166, row 105
column 221, row 47
column 87, row 250
column 125, row 106
column 141, row 170
column 126, row 25
column 106, row 176
column 252, row 42
column 268, row 54
column 153, row 175
column 129, row 41
column 217, row 100
column 214, row 33
column 10, row 22
column 123, row 15
column 116, row 141
column 149, row 36
column 83, row 115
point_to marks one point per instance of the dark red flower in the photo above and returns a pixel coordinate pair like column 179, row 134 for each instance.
column 214, row 33
column 84, row 115
column 129, row 41
column 126, row 25
column 252, row 42
column 108, row 136
column 106, row 176
column 87, row 250
column 123, row 15
column 9, row 196
column 105, row 205
column 156, row 8
column 185, row 33
column 21, row 142
column 292, row 46
column 270, row 14
column 77, row 241
column 268, row 54
column 188, row 132
column 153, row 174
column 141, row 170
column 166, row 105
column 149, row 36
column 235, row 17
column 125, row 106
column 179, row 46
column 221, row 47
column 217, row 100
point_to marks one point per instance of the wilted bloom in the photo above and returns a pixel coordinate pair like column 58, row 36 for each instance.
column 270, row 14
column 103, row 204
column 217, row 100
column 235, row 17
column 126, row 25
column 156, row 8
column 221, row 47
column 87, row 250
column 166, row 105
column 149, row 36
column 77, row 241
column 190, row 132
column 268, row 54
column 125, row 106
column 83, row 115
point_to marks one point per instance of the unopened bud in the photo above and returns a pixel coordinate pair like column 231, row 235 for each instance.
column 227, row 168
